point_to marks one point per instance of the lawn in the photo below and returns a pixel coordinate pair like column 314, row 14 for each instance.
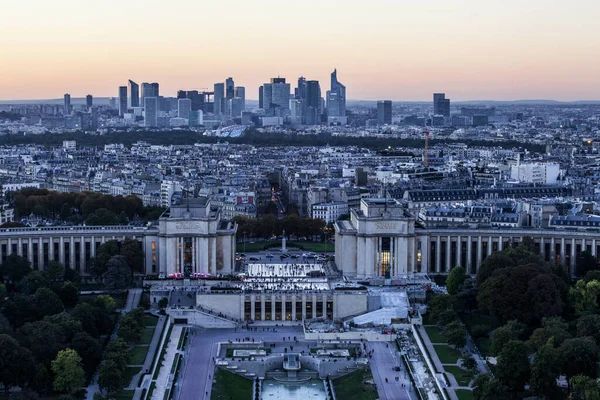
column 470, row 320
column 150, row 320
column 447, row 354
column 357, row 385
column 435, row 334
column 129, row 373
column 463, row 378
column 464, row 394
column 146, row 337
column 138, row 355
column 227, row 386
column 125, row 395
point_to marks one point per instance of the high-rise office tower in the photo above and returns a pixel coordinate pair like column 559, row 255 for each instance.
column 236, row 107
column 229, row 88
column 300, row 91
column 149, row 90
column 89, row 101
column 184, row 108
column 150, row 111
column 312, row 104
column 67, row 104
column 384, row 112
column 181, row 94
column 441, row 105
column 261, row 97
column 240, row 92
column 276, row 94
column 336, row 97
column 219, row 98
column 133, row 94
column 122, row 100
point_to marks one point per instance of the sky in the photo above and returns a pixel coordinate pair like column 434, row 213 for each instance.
column 383, row 49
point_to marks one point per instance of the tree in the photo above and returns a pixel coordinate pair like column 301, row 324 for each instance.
column 68, row 373
column 512, row 368
column 552, row 328
column 84, row 313
column 578, row 356
column 512, row 330
column 35, row 280
column 14, row 268
column 494, row 262
column 69, row 294
column 89, row 349
column 55, row 271
column 163, row 303
column 456, row 335
column 129, row 330
column 107, row 302
column 589, row 325
column 455, row 280
column 46, row 302
column 468, row 362
column 584, row 388
column 103, row 254
column 118, row 273
column 584, row 295
column 134, row 254
column 16, row 363
column 118, row 351
column 41, row 381
column 544, row 372
column 585, row 262
column 487, row 388
column 110, row 377
column 437, row 305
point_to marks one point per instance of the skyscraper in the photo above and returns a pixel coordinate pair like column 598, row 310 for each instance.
column 89, row 101
column 133, row 94
column 122, row 100
column 276, row 94
column 236, row 107
column 300, row 91
column 384, row 112
column 229, row 88
column 150, row 111
column 67, row 105
column 260, row 97
column 336, row 98
column 149, row 90
column 441, row 105
column 184, row 108
column 219, row 98
column 312, row 103
column 240, row 92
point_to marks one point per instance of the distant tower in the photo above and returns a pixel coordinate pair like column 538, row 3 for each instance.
column 384, row 112
column 229, row 88
column 240, row 93
column 67, row 105
column 260, row 97
column 336, row 97
column 133, row 94
column 150, row 111
column 219, row 98
column 184, row 108
column 89, row 101
column 122, row 100
column 441, row 105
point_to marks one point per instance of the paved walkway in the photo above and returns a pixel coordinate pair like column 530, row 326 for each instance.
column 133, row 299
column 382, row 364
column 164, row 375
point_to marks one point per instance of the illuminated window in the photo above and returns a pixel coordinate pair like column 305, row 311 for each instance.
column 153, row 246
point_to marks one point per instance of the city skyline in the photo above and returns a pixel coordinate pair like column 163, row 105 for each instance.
column 508, row 51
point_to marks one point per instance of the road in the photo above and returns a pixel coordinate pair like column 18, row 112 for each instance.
column 382, row 363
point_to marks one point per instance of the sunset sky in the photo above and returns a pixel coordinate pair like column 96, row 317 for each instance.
column 382, row 49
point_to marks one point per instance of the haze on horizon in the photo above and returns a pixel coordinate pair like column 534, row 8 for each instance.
column 383, row 49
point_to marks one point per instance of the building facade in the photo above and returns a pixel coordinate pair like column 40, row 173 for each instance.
column 190, row 237
column 381, row 241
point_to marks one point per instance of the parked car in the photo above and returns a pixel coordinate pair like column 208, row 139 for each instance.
column 269, row 255
column 253, row 258
column 295, row 256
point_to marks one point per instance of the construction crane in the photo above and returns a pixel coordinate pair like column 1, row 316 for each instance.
column 426, row 152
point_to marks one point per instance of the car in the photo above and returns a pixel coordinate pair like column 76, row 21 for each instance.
column 253, row 258
column 311, row 256
column 295, row 256
column 269, row 255
column 243, row 255
column 322, row 259
column 284, row 255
